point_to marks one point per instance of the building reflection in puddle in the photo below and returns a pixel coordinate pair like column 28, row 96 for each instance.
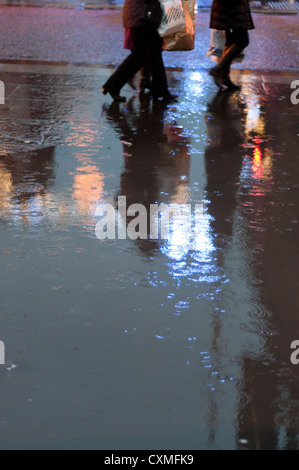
column 87, row 190
column 26, row 179
column 6, row 187
column 27, row 195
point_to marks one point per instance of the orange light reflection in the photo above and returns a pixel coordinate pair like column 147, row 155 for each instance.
column 88, row 189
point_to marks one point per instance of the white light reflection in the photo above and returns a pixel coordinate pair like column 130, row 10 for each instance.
column 181, row 241
column 255, row 122
column 195, row 84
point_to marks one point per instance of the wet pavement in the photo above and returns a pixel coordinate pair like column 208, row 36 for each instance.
column 96, row 37
column 148, row 344
column 276, row 7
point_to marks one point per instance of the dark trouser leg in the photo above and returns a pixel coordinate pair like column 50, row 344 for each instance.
column 146, row 70
column 146, row 74
column 125, row 71
column 160, row 86
column 240, row 38
column 131, row 65
column 236, row 41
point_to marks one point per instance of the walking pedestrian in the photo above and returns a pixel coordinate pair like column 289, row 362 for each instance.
column 146, row 44
column 233, row 17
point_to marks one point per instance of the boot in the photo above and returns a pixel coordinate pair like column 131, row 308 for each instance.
column 219, row 73
column 114, row 95
column 229, row 84
column 226, row 80
column 167, row 98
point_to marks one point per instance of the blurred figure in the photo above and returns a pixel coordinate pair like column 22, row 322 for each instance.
column 233, row 17
column 145, row 42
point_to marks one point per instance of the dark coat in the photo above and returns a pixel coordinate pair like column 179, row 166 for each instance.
column 133, row 12
column 231, row 14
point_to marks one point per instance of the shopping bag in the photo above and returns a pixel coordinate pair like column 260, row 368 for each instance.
column 218, row 40
column 217, row 44
column 173, row 17
column 183, row 40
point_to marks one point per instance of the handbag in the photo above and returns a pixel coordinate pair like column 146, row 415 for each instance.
column 173, row 19
column 152, row 14
column 183, row 40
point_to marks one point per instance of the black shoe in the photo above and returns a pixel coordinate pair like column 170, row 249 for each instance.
column 230, row 85
column 115, row 96
column 217, row 76
column 221, row 71
column 169, row 98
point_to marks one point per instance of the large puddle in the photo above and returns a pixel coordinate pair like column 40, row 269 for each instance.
column 143, row 344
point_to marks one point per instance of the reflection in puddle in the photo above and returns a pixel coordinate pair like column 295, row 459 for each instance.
column 88, row 189
column 192, row 335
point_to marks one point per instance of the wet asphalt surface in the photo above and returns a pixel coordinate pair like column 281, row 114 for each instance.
column 96, row 37
column 147, row 344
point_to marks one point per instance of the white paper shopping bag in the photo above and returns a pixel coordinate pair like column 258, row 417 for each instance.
column 184, row 40
column 173, row 19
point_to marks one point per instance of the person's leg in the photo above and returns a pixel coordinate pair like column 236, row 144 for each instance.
column 131, row 65
column 236, row 42
column 146, row 74
column 159, row 83
column 232, row 38
column 241, row 39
